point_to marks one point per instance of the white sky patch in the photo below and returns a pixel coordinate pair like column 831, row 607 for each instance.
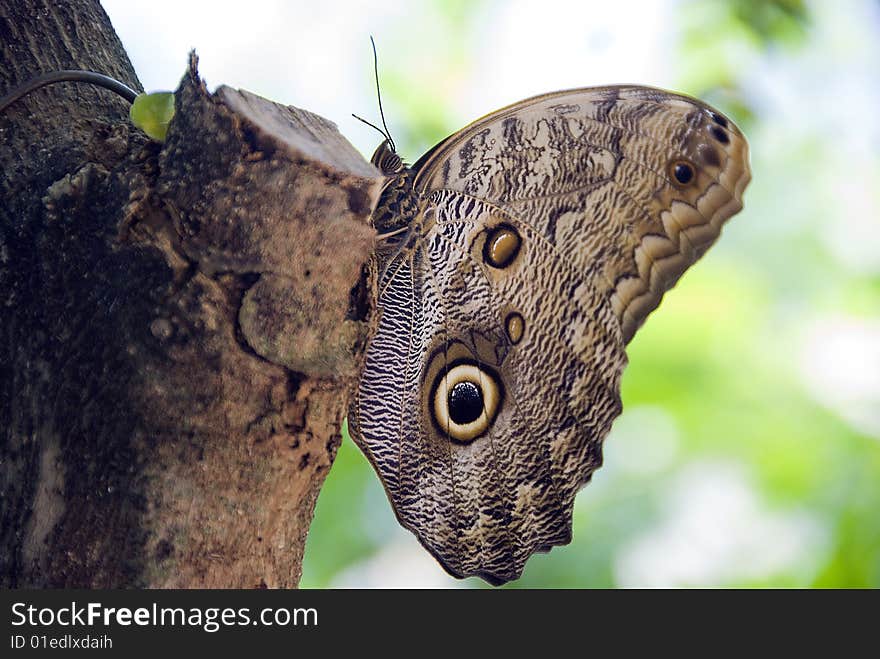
column 823, row 88
column 317, row 55
column 717, row 532
column 840, row 363
column 853, row 234
column 532, row 48
column 314, row 55
column 402, row 563
column 818, row 95
column 643, row 441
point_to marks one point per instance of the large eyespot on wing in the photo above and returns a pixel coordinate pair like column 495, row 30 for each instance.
column 514, row 486
column 465, row 400
column 608, row 196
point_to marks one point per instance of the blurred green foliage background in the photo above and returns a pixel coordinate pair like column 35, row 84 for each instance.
column 748, row 452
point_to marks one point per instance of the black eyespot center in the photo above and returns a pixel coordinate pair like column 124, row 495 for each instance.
column 465, row 402
column 719, row 134
column 683, row 172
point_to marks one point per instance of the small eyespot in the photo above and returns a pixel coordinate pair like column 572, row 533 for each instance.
column 682, row 171
column 718, row 119
column 709, row 155
column 515, row 326
column 719, row 134
column 502, row 246
column 465, row 401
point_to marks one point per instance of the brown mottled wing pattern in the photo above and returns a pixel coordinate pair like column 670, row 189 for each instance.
column 606, row 196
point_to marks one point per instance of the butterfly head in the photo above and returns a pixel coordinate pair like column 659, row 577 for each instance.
column 386, row 159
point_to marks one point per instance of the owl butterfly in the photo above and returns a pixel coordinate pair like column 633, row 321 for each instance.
column 516, row 260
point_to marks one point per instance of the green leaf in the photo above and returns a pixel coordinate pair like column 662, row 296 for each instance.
column 152, row 113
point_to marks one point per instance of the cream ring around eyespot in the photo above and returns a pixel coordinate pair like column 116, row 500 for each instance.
column 491, row 396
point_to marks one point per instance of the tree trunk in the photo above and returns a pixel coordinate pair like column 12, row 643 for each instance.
column 180, row 324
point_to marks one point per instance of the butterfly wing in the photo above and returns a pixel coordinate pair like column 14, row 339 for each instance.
column 548, row 231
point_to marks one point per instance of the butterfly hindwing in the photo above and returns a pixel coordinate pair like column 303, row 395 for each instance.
column 541, row 236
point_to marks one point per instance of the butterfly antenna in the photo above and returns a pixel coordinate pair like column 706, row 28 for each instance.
column 371, row 125
column 379, row 94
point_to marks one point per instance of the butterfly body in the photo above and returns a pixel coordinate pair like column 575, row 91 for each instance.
column 398, row 204
column 522, row 254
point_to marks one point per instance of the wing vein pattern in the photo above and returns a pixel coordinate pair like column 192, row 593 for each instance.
column 539, row 238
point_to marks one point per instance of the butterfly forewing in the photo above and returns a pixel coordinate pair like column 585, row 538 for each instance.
column 543, row 236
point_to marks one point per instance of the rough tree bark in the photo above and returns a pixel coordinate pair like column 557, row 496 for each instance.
column 180, row 324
